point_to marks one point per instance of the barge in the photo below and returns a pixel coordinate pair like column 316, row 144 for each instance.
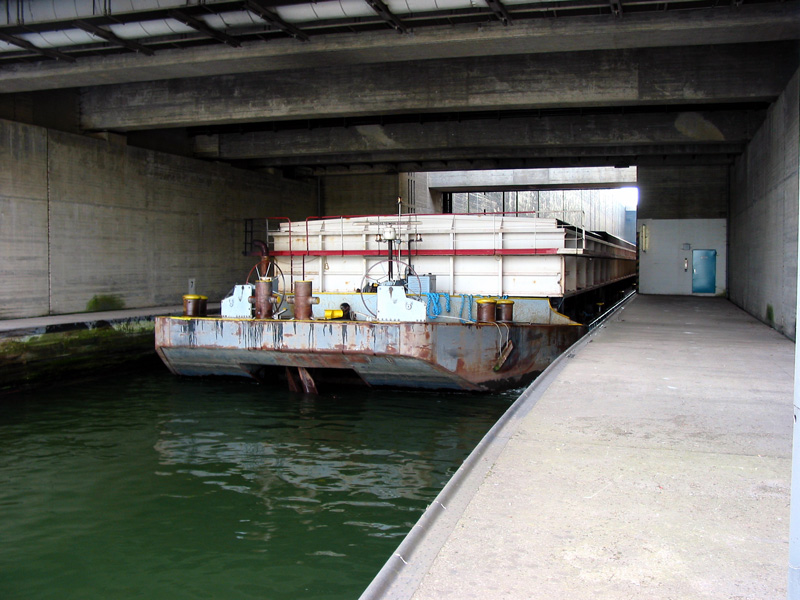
column 454, row 302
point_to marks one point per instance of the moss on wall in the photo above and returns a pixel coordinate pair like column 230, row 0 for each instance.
column 105, row 302
column 34, row 360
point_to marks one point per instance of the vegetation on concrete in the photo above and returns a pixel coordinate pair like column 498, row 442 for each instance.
column 104, row 302
column 39, row 359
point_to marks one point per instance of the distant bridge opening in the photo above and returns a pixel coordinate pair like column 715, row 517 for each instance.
column 596, row 198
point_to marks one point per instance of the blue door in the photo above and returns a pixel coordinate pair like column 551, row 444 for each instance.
column 704, row 271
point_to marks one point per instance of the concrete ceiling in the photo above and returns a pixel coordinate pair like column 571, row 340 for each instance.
column 511, row 85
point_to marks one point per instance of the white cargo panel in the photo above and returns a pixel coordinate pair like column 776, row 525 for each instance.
column 465, row 254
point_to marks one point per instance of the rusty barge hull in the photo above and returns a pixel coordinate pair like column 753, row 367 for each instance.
column 428, row 355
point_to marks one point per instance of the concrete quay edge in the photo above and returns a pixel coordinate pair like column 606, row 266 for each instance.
column 403, row 572
column 49, row 323
column 669, row 479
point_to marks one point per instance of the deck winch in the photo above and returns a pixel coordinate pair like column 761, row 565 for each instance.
column 395, row 305
column 238, row 303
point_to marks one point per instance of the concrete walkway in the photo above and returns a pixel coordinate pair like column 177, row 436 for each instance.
column 656, row 464
column 41, row 324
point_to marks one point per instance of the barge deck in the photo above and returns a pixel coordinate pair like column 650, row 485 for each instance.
column 388, row 301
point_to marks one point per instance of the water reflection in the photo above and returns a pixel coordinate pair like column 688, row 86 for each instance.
column 155, row 486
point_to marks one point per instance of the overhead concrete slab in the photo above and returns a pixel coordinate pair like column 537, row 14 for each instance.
column 747, row 23
column 653, row 76
column 645, row 132
column 532, row 179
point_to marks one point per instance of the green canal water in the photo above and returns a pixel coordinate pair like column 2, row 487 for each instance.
column 146, row 485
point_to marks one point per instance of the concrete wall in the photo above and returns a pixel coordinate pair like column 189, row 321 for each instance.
column 665, row 256
column 54, row 109
column 681, row 206
column 83, row 217
column 417, row 195
column 24, row 268
column 360, row 194
column 683, row 192
column 520, row 179
column 595, row 210
column 630, row 225
column 764, row 217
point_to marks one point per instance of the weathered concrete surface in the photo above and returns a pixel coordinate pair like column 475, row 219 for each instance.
column 24, row 219
column 656, row 465
column 88, row 320
column 437, row 140
column 35, row 352
column 524, row 179
column 748, row 23
column 591, row 209
column 764, row 217
column 667, row 266
column 683, row 192
column 692, row 74
column 539, row 158
column 82, row 217
column 360, row 194
column 417, row 195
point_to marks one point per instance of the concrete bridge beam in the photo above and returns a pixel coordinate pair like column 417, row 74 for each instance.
column 526, row 158
column 747, row 23
column 654, row 76
column 460, row 139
